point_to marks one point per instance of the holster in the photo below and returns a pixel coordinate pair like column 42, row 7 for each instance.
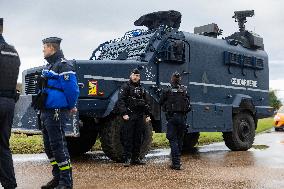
column 38, row 102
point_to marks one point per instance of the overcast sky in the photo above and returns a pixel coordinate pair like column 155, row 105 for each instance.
column 84, row 24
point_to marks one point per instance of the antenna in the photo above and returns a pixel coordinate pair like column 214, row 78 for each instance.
column 241, row 18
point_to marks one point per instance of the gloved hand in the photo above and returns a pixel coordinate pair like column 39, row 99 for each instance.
column 125, row 117
column 148, row 119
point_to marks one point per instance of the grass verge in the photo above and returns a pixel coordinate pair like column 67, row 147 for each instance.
column 23, row 144
column 160, row 141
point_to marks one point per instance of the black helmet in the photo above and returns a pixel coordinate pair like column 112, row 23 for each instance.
column 135, row 71
column 176, row 77
column 176, row 74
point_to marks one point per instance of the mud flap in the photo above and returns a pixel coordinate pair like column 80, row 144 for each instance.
column 26, row 119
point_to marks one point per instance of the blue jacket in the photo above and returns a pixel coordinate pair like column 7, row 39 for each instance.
column 62, row 88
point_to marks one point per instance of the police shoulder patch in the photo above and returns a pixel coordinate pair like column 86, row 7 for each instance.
column 66, row 76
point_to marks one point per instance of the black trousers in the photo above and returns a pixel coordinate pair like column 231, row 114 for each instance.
column 175, row 132
column 7, row 174
column 131, row 136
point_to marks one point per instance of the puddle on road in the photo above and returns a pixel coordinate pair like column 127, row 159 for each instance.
column 158, row 152
column 159, row 155
column 260, row 147
column 98, row 156
column 21, row 158
column 215, row 147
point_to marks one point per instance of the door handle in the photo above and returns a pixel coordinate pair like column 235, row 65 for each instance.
column 185, row 72
column 81, row 85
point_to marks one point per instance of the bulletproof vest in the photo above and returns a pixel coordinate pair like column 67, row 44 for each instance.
column 136, row 99
column 177, row 100
column 9, row 66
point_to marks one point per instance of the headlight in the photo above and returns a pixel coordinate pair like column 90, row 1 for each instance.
column 277, row 118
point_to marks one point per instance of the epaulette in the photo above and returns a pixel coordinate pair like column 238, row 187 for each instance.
column 63, row 60
column 6, row 45
column 68, row 62
column 7, row 49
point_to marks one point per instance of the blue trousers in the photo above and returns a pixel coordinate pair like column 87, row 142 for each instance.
column 7, row 174
column 175, row 132
column 55, row 145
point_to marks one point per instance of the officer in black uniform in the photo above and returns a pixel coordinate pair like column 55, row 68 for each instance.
column 176, row 104
column 57, row 98
column 133, row 106
column 9, row 66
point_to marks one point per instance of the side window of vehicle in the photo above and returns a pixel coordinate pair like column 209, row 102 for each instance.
column 174, row 51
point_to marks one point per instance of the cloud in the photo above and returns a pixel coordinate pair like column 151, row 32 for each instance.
column 276, row 69
column 83, row 25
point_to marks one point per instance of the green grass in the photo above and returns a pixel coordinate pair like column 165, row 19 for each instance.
column 22, row 144
column 264, row 124
column 160, row 141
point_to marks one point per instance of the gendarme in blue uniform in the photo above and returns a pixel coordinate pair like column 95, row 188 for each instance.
column 62, row 93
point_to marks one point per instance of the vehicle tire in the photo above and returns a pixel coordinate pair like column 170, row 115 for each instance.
column 277, row 129
column 110, row 139
column 242, row 136
column 189, row 141
column 79, row 145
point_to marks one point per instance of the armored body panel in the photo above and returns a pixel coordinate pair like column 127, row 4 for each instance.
column 221, row 76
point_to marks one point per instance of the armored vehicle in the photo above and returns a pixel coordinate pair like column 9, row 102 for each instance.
column 227, row 79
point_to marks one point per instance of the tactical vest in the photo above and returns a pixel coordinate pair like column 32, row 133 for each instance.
column 177, row 100
column 136, row 101
column 9, row 66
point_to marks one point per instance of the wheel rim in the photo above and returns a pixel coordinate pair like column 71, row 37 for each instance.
column 244, row 130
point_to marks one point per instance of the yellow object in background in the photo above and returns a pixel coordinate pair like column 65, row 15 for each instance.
column 279, row 119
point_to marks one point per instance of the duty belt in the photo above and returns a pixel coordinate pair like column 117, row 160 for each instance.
column 55, row 109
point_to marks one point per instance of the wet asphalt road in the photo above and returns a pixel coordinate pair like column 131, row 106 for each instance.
column 213, row 166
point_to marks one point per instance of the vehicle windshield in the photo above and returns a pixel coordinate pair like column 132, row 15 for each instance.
column 131, row 46
column 281, row 109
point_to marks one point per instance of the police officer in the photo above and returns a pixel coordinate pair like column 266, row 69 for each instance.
column 9, row 66
column 61, row 91
column 176, row 104
column 132, row 105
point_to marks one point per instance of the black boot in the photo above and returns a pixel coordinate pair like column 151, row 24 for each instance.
column 12, row 187
column 51, row 184
column 138, row 161
column 63, row 187
column 127, row 162
column 176, row 166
